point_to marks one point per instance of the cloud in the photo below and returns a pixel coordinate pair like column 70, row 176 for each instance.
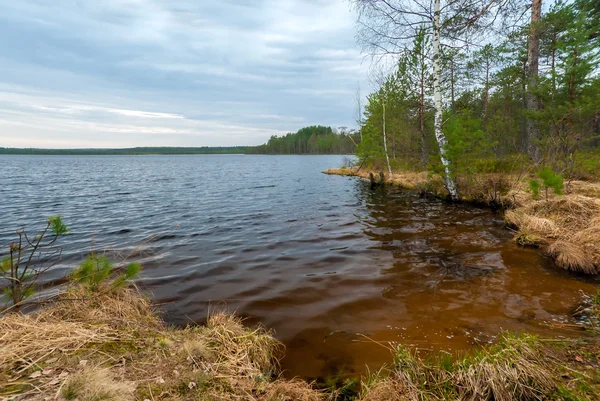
column 182, row 73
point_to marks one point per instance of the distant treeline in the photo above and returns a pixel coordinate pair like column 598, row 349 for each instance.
column 309, row 140
column 130, row 151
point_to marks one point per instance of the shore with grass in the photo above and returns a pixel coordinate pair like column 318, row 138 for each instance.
column 566, row 227
column 112, row 345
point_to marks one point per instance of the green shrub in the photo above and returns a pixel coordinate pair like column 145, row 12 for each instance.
column 550, row 180
column 98, row 270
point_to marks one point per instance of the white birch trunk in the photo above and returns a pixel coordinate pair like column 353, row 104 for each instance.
column 437, row 101
column 385, row 139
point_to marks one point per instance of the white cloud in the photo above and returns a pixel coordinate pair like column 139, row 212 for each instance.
column 182, row 72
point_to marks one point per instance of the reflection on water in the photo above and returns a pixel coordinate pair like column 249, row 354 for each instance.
column 323, row 260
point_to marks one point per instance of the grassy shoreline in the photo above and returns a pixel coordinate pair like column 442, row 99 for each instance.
column 565, row 227
column 112, row 346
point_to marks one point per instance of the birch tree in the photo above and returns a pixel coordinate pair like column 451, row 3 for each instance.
column 387, row 27
column 387, row 155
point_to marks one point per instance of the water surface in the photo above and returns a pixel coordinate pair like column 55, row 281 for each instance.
column 330, row 265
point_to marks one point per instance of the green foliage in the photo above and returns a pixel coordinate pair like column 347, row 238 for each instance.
column 97, row 271
column 57, row 226
column 29, row 257
column 550, row 180
column 469, row 149
column 93, row 271
column 534, row 186
column 309, row 140
column 486, row 91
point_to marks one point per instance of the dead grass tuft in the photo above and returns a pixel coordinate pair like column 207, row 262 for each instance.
column 571, row 256
column 123, row 307
column 292, row 390
column 96, row 384
column 569, row 224
column 515, row 369
column 239, row 350
column 29, row 339
column 532, row 225
column 390, row 389
column 571, row 212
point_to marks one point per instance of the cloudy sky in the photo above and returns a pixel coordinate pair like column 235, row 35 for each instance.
column 121, row 73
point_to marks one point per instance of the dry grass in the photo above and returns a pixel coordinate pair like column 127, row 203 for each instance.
column 292, row 390
column 516, row 369
column 224, row 347
column 43, row 356
column 404, row 179
column 126, row 307
column 568, row 225
column 28, row 340
column 96, row 384
column 134, row 356
column 531, row 224
column 390, row 389
column 571, row 256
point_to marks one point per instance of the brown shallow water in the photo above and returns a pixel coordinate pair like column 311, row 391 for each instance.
column 330, row 265
column 441, row 277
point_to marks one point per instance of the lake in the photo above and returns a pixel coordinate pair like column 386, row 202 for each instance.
column 336, row 269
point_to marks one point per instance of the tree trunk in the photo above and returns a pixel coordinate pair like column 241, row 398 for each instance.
column 387, row 158
column 533, row 55
column 486, row 93
column 524, row 133
column 452, row 85
column 437, row 101
column 422, row 121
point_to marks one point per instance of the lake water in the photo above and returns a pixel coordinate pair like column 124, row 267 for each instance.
column 332, row 266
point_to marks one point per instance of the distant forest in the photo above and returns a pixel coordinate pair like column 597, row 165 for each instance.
column 315, row 139
column 310, row 140
column 129, row 151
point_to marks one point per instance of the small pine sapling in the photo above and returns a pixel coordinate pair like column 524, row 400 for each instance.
column 97, row 272
column 550, row 180
column 29, row 257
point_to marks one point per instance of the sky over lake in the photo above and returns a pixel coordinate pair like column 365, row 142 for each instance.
column 123, row 73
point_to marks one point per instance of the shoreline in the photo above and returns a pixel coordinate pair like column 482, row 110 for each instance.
column 564, row 227
column 112, row 346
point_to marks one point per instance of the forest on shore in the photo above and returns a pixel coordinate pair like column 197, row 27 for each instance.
column 315, row 139
column 463, row 90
